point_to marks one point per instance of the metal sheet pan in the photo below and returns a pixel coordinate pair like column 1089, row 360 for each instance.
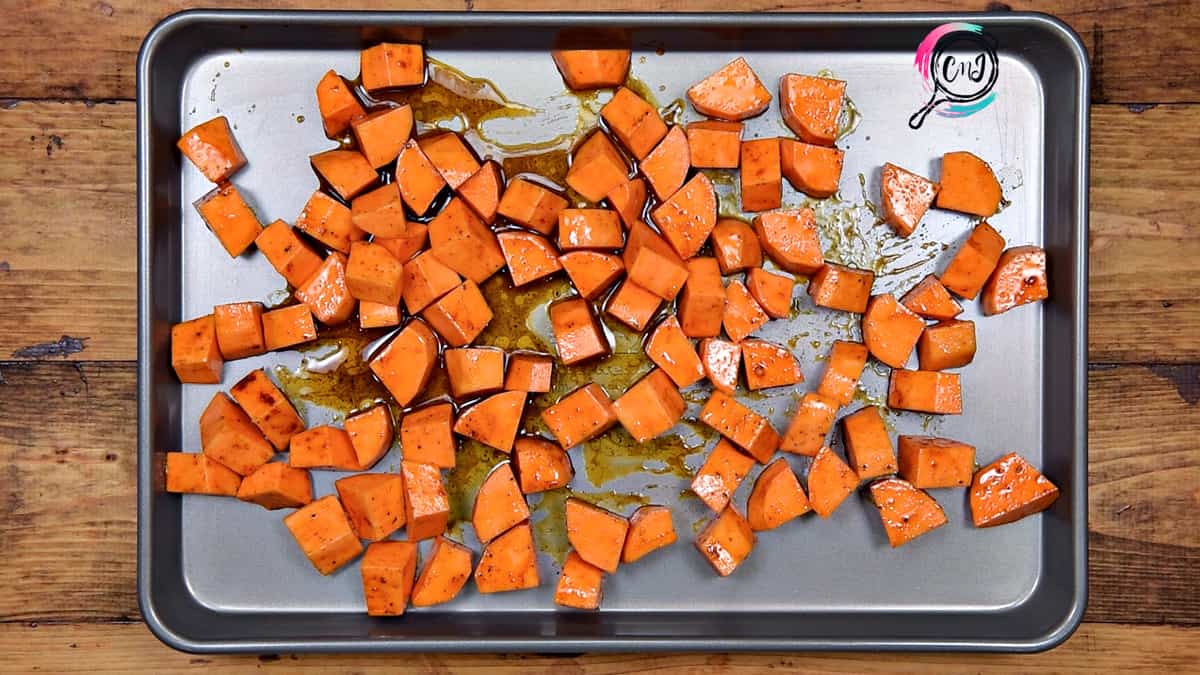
column 222, row 576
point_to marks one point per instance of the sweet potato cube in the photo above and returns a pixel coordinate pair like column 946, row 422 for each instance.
column 268, row 408
column 323, row 532
column 381, row 134
column 890, row 331
column 420, row 181
column 811, row 106
column 329, row 221
column 652, row 264
column 388, row 65
column 719, row 477
column 426, row 505
column 531, row 205
column 427, row 435
column 844, row 367
column 541, row 465
column 508, row 563
column 288, row 253
column 323, row 447
column 715, row 144
column 930, row 462
column 810, row 425
column 906, row 511
column 494, row 420
column 722, row 360
column 201, row 475
column 464, row 243
column 373, row 274
column 405, row 363
column 589, row 229
column 583, row 69
column 747, row 429
column 388, row 568
column 371, row 434
column 416, row 235
column 736, row 246
column 650, row 528
column 213, row 150
column 380, row 212
column 769, row 365
column 689, row 216
column 968, row 185
column 239, row 329
column 925, row 391
column 814, row 170
column 841, row 287
column 671, row 350
column 761, row 175
column 425, row 280
column 790, row 238
column 474, row 371
column 337, row 104
column 592, row 272
column 374, row 503
column 905, row 198
column 743, row 315
column 830, row 481
column 581, row 415
column 275, row 485
column 946, row 344
column 930, row 299
column 633, row 305
column 597, row 534
column 973, row 264
column 773, row 292
column 499, row 504
column 579, row 583
column 702, row 305
column 451, row 157
column 726, row 541
column 346, row 171
column 529, row 256
column 776, row 498
column 326, row 292
column 1019, row 278
column 529, row 371
column 629, row 200
column 597, row 168
column 650, row 407
column 229, row 436
column 195, row 353
column 481, row 191
column 1007, row 490
column 666, row 167
column 733, row 92
column 634, row 122
column 445, row 573
column 460, row 315
column 229, row 218
column 868, row 446
column 376, row 315
column 577, row 334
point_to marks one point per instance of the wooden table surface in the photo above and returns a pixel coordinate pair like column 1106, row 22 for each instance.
column 67, row 349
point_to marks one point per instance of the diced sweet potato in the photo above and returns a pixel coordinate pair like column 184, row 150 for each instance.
column 228, row 436
column 371, row 434
column 581, row 415
column 761, row 177
column 213, row 150
column 742, row 314
column 634, row 122
column 329, row 221
column 906, row 511
column 650, row 528
column 868, row 446
column 1019, row 278
column 597, row 168
column 810, row 426
column 776, row 498
column 346, row 171
column 906, row 197
column 579, row 583
column 420, row 181
column 388, row 65
column 772, row 292
column 591, row 68
column 890, row 330
column 670, row 349
column 239, row 329
column 747, row 429
column 199, row 474
column 689, row 216
column 288, row 253
column 930, row 299
column 946, row 344
column 508, row 563
column 733, row 92
column 376, row 315
column 326, row 293
column 450, row 156
column 973, row 264
column 598, row 535
column 380, row 212
column 444, row 574
column 288, row 326
column 736, row 246
column 541, row 465
column 481, row 191
column 426, row 505
column 651, row 263
column 529, row 371
column 830, row 481
column 925, row 391
column 845, row 366
column 230, row 218
column 839, row 287
column 968, row 185
column 790, row 238
column 373, row 274
column 929, row 462
column 388, row 568
column 195, row 353
column 769, row 365
column 721, row 360
column 381, row 134
column 589, row 229
column 719, row 477
column 323, row 532
column 275, row 485
column 474, row 371
column 726, row 541
column 268, row 408
column 531, row 205
column 427, row 435
column 374, row 503
column 702, row 305
column 499, row 504
column 633, row 305
column 323, row 447
column 714, row 144
column 529, row 256
column 425, row 280
column 814, row 170
column 405, row 364
column 1007, row 490
column 666, row 167
column 650, row 407
column 811, row 105
column 592, row 272
column 629, row 200
column 460, row 315
column 577, row 334
column 494, row 420
column 337, row 104
column 464, row 243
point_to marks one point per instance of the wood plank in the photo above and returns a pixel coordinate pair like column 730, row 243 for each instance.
column 77, row 467
column 33, row 63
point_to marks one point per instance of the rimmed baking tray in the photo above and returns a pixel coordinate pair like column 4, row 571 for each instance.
column 222, row 576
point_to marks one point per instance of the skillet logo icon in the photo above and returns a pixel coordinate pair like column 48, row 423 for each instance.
column 958, row 65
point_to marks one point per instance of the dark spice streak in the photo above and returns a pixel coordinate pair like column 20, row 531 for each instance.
column 65, row 346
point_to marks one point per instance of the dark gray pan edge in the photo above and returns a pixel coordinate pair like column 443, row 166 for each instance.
column 1046, row 618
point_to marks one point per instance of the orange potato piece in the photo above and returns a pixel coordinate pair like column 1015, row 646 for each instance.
column 633, row 305
column 388, row 65
column 701, row 307
column 719, row 477
column 670, row 349
column 666, row 167
column 1007, row 490
column 721, row 360
column 426, row 279
column 747, row 429
column 726, row 541
column 890, row 330
column 426, row 505
column 374, row 502
column 732, row 93
column 596, row 534
column 776, row 498
column 451, row 157
column 508, row 563
column 581, row 415
column 591, row 68
column 444, row 574
column 736, row 246
column 427, row 435
column 814, row 170
column 906, row 197
column 689, row 216
column 275, row 485
column 375, row 315
column 810, row 426
column 968, row 185
column 388, row 568
column 714, row 144
column 196, row 473
column 380, row 212
column 326, row 293
column 577, row 334
column 474, row 371
column 373, row 274
column 589, row 229
column 323, row 447
column 946, row 344
column 974, row 263
column 481, row 191
column 499, row 504
column 420, row 181
column 597, row 168
column 346, row 171
column 405, row 363
column 337, row 104
column 464, row 243
column 790, row 238
column 529, row 371
column 329, row 221
column 868, row 446
column 930, row 299
column 460, row 315
column 830, row 481
column 579, row 583
column 1019, row 278
column 371, row 434
column 494, row 420
column 925, row 391
column 230, row 218
column 195, row 354
column 529, row 256
column 288, row 253
column 239, row 329
column 213, row 150
column 840, row 287
column 769, row 365
column 743, row 315
column 530, row 205
column 761, row 177
column 650, row 528
column 629, row 200
column 324, row 535
column 906, row 511
column 650, row 407
column 634, row 122
column 591, row 272
column 811, row 105
column 268, row 408
column 228, row 436
column 772, row 292
column 845, row 366
column 929, row 462
column 381, row 134
column 541, row 465
column 651, row 263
